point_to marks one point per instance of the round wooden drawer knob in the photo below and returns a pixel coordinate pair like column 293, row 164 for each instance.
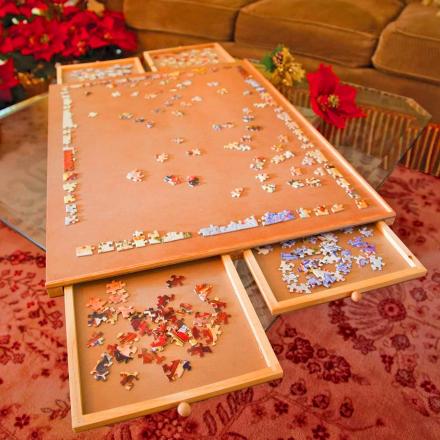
column 356, row 296
column 184, row 409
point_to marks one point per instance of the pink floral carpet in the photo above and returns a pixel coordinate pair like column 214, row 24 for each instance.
column 351, row 371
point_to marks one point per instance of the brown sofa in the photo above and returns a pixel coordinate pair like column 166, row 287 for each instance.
column 392, row 45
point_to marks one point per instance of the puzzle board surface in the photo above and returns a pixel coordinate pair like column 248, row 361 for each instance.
column 227, row 359
column 160, row 128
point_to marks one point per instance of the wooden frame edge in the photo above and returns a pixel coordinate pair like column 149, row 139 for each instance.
column 55, row 292
column 149, row 61
column 227, row 56
column 138, row 64
column 250, row 313
column 260, row 279
column 59, row 72
column 276, row 307
column 82, row 422
column 75, row 388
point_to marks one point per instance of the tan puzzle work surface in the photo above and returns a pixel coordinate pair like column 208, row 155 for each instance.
column 111, row 207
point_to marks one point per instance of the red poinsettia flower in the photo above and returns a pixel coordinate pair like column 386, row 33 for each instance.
column 332, row 101
column 8, row 7
column 33, row 7
column 40, row 38
column 5, row 42
column 78, row 28
column 8, row 80
column 111, row 31
column 77, row 44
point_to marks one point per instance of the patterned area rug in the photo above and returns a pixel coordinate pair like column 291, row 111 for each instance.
column 352, row 371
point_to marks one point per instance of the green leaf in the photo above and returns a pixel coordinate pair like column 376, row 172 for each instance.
column 267, row 62
column 23, row 63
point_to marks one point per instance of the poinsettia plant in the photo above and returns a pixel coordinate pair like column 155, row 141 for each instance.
column 36, row 34
column 330, row 99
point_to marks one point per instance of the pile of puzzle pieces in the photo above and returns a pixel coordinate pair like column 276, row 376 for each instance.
column 95, row 73
column 163, row 324
column 190, row 57
column 320, row 261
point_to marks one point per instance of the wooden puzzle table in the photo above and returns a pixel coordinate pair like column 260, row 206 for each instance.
column 393, row 122
column 216, row 162
column 227, row 128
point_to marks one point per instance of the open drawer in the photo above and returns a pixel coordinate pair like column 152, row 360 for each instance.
column 186, row 56
column 74, row 73
column 290, row 275
column 241, row 356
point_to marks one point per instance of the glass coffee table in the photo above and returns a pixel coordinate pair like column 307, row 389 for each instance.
column 374, row 145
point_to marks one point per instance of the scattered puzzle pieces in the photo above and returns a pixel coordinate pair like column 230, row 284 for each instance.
column 203, row 291
column 102, row 369
column 199, row 350
column 163, row 322
column 128, row 379
column 114, row 286
column 95, row 303
column 321, row 261
column 122, row 353
column 149, row 357
column 135, row 175
column 175, row 280
column 236, row 193
column 127, row 337
column 97, row 338
column 176, row 369
column 126, row 311
column 163, row 157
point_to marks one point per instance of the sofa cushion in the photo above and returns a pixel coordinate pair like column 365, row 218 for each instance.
column 338, row 31
column 214, row 19
column 410, row 46
column 151, row 40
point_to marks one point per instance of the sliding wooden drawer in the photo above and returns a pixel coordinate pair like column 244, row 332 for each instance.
column 74, row 73
column 186, row 56
column 374, row 257
column 241, row 356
